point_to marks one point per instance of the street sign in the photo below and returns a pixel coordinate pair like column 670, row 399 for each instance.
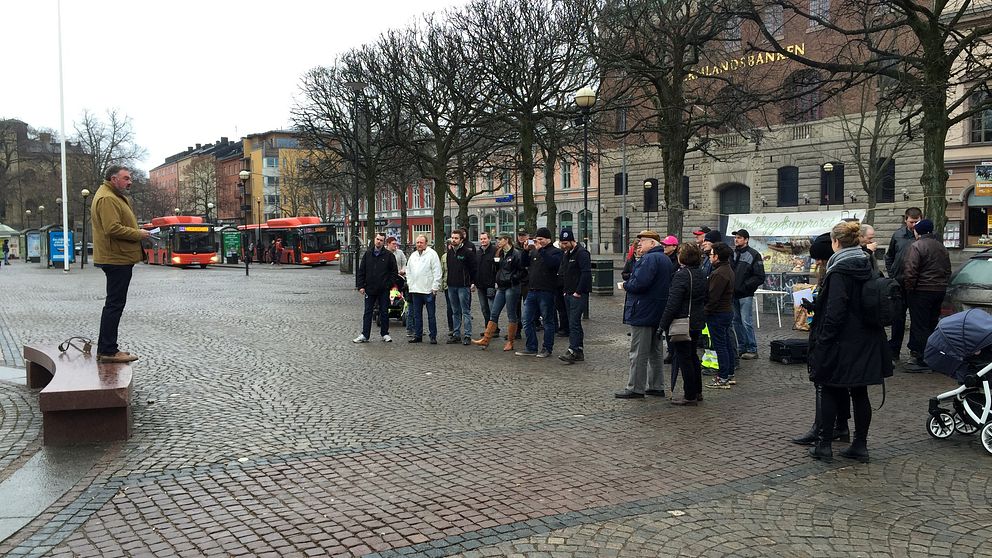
column 504, row 199
column 381, row 222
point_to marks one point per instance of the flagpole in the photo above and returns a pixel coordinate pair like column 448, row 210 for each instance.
column 66, row 244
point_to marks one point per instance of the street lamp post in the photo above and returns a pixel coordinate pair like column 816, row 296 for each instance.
column 829, row 169
column 82, row 261
column 258, row 225
column 243, row 177
column 41, row 216
column 355, row 87
column 27, row 218
column 585, row 98
column 210, row 206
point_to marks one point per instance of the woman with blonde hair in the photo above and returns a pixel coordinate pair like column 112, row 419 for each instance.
column 847, row 353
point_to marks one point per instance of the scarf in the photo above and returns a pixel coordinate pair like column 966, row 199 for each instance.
column 854, row 252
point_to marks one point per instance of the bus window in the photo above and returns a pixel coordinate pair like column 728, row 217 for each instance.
column 190, row 242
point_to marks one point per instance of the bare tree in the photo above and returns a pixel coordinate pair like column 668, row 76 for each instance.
column 149, row 202
column 936, row 56
column 108, row 142
column 199, row 185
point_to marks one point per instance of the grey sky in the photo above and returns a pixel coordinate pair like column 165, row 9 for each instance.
column 185, row 71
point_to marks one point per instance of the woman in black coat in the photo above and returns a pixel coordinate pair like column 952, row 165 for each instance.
column 686, row 298
column 846, row 353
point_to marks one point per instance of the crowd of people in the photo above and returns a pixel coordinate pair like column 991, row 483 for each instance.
column 679, row 297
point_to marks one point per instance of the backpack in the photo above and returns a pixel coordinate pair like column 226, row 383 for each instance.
column 881, row 300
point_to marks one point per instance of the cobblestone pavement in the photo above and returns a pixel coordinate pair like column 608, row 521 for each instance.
column 261, row 430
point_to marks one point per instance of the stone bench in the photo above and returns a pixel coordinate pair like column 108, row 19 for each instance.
column 82, row 401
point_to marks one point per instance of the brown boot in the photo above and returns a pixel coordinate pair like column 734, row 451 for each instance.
column 490, row 331
column 511, row 334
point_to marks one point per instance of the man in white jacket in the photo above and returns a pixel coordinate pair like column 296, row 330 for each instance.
column 423, row 278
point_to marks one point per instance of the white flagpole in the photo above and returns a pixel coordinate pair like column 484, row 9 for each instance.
column 66, row 245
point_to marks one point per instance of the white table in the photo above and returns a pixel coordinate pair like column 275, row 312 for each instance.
column 778, row 305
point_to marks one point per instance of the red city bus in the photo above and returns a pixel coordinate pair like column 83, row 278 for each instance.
column 181, row 241
column 305, row 240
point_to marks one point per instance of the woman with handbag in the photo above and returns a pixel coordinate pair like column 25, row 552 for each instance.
column 684, row 320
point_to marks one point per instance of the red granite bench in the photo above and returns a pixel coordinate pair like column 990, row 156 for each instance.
column 82, row 401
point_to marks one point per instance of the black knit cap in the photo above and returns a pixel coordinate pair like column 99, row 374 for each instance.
column 821, row 249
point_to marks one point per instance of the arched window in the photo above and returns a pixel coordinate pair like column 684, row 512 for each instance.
column 585, row 225
column 735, row 198
column 832, row 184
column 806, row 102
column 565, row 220
column 473, row 227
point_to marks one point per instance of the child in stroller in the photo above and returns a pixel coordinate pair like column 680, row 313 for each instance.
column 961, row 347
column 397, row 302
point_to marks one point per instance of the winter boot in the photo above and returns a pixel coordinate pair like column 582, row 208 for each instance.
column 858, row 449
column 511, row 332
column 487, row 336
column 810, row 438
column 822, row 451
column 841, row 432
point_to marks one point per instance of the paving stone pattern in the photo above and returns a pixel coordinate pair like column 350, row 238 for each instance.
column 261, row 430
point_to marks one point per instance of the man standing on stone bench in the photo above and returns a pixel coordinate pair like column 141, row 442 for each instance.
column 116, row 248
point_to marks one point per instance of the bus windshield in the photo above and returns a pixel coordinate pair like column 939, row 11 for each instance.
column 189, row 242
column 320, row 242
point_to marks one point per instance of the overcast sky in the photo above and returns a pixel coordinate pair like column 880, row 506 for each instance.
column 185, row 71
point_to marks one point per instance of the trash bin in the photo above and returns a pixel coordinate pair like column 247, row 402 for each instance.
column 345, row 263
column 232, row 258
column 602, row 277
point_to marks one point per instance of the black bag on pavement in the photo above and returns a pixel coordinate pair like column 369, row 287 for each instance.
column 789, row 351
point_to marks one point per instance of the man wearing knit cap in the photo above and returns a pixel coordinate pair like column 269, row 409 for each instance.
column 576, row 276
column 542, row 260
column 647, row 295
column 926, row 273
column 709, row 239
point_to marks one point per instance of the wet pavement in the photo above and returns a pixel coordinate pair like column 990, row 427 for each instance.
column 261, row 430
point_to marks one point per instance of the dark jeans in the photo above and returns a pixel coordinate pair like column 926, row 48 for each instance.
column 833, row 401
column 562, row 310
column 924, row 312
column 687, row 360
column 721, row 330
column 417, row 313
column 573, row 307
column 118, row 280
column 486, row 303
column 899, row 327
column 447, row 311
column 370, row 301
column 540, row 303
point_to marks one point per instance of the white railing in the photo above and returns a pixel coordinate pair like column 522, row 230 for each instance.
column 802, row 131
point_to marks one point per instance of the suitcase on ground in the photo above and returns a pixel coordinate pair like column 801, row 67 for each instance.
column 789, row 351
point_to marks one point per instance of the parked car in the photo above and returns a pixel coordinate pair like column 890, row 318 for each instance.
column 971, row 285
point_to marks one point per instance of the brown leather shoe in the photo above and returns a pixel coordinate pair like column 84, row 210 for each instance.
column 686, row 402
column 120, row 357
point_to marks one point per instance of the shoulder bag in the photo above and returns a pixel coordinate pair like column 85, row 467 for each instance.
column 678, row 331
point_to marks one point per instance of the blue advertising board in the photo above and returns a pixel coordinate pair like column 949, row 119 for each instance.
column 504, row 199
column 56, row 247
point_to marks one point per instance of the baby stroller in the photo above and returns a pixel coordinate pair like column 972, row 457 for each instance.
column 961, row 347
column 397, row 304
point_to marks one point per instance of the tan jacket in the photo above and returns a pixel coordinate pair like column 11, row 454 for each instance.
column 116, row 237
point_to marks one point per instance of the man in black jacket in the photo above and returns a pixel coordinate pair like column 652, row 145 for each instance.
column 542, row 261
column 894, row 258
column 485, row 276
column 576, row 277
column 461, row 263
column 749, row 276
column 377, row 272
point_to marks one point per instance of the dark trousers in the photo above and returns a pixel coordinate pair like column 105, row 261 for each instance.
column 833, row 402
column 687, row 360
column 573, row 307
column 118, row 280
column 924, row 312
column 562, row 309
column 539, row 303
column 416, row 316
column 447, row 311
column 486, row 303
column 721, row 336
column 898, row 327
column 382, row 299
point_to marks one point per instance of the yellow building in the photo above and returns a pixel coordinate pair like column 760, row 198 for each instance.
column 276, row 161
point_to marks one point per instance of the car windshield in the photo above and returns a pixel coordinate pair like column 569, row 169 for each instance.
column 976, row 272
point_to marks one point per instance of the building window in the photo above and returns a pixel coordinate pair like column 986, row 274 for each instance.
column 490, row 187
column 505, row 222
column 819, row 10
column 884, row 172
column 489, row 225
column 447, row 227
column 685, row 191
column 427, row 195
column 394, row 200
column 566, row 175
column 981, row 123
column 270, row 162
column 806, row 104
column 415, row 195
column 774, row 21
column 504, row 181
column 585, row 225
column 788, row 186
column 832, row 185
column 565, row 219
column 271, row 200
column 271, row 181
column 621, row 182
column 473, row 227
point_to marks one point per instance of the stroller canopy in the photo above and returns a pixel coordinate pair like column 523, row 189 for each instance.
column 956, row 338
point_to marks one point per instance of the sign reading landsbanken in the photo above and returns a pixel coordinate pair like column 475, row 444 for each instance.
column 805, row 223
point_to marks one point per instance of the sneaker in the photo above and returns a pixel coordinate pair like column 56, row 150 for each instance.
column 453, row 341
column 415, row 340
column 571, row 356
column 731, row 381
column 466, row 341
column 655, row 392
column 387, row 339
column 719, row 384
column 525, row 352
column 360, row 339
column 543, row 354
column 750, row 355
column 433, row 340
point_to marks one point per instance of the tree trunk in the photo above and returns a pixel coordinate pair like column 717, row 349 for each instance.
column 404, row 225
column 440, row 200
column 673, row 162
column 527, row 174
column 549, row 187
column 370, row 210
column 934, row 177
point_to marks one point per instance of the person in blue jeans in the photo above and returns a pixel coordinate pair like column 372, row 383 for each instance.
column 720, row 314
column 576, row 276
column 462, row 266
column 749, row 276
column 542, row 260
column 423, row 277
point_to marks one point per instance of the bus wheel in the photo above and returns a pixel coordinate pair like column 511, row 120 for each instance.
column 203, row 266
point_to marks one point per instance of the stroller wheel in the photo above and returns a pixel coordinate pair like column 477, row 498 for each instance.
column 987, row 437
column 941, row 425
column 962, row 426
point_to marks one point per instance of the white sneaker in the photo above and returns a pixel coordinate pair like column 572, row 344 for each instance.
column 387, row 339
column 360, row 339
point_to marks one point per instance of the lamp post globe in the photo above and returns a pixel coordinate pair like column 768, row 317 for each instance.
column 585, row 98
column 27, row 218
column 210, row 207
column 828, row 167
column 41, row 216
column 176, row 210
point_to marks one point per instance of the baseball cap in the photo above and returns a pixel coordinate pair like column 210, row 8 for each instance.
column 649, row 234
column 670, row 240
column 741, row 232
column 701, row 230
column 566, row 234
column 713, row 236
column 522, row 232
